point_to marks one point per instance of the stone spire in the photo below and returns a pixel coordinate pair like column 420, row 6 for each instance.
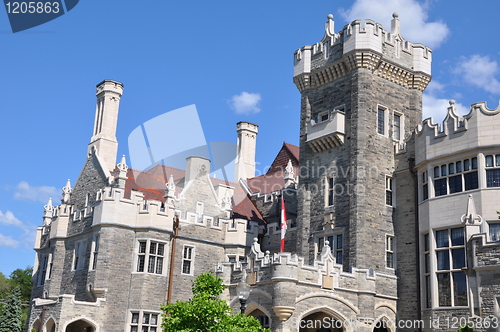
column 66, row 191
column 122, row 173
column 47, row 215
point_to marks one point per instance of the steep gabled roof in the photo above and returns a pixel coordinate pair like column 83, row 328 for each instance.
column 274, row 179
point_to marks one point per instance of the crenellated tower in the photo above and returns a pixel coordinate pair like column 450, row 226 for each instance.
column 361, row 96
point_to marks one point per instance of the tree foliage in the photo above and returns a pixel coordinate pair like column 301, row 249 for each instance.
column 205, row 312
column 22, row 279
column 466, row 328
column 11, row 319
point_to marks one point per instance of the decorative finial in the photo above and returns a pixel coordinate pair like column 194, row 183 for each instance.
column 289, row 174
column 452, row 102
column 49, row 206
column 122, row 166
column 47, row 215
column 330, row 27
column 170, row 186
column 471, row 217
column 395, row 25
column 66, row 192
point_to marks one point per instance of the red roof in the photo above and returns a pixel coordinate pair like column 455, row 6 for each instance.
column 152, row 184
column 274, row 179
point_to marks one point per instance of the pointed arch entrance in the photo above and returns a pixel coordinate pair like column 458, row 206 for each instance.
column 80, row 325
column 320, row 321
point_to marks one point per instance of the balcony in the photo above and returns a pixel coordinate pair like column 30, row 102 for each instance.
column 327, row 134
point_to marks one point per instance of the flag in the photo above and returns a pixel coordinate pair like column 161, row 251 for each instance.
column 283, row 223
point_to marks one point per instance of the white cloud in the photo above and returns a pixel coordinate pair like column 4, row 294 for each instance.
column 480, row 71
column 7, row 241
column 413, row 16
column 437, row 108
column 39, row 194
column 245, row 103
column 9, row 219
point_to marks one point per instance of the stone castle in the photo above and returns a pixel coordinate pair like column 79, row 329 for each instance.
column 392, row 222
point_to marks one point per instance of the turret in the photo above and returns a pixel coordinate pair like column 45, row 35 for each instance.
column 103, row 141
column 244, row 166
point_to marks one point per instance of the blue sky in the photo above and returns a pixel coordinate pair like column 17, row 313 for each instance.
column 233, row 59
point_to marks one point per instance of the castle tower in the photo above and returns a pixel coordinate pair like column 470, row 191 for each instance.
column 361, row 96
column 103, row 140
column 244, row 166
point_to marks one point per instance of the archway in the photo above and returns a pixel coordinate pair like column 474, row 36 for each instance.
column 261, row 317
column 50, row 326
column 37, row 326
column 320, row 322
column 80, row 326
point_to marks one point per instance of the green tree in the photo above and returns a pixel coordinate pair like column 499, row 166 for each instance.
column 466, row 328
column 5, row 286
column 22, row 279
column 205, row 312
column 11, row 319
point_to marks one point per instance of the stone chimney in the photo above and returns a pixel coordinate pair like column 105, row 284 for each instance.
column 244, row 166
column 195, row 167
column 103, row 140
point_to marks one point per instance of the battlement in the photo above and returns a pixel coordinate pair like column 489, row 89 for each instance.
column 325, row 273
column 363, row 44
column 456, row 133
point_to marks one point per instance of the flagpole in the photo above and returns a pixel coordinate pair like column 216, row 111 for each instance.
column 283, row 222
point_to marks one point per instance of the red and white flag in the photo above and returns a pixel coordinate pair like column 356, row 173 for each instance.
column 284, row 224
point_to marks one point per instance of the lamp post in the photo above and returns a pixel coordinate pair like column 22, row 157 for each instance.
column 243, row 291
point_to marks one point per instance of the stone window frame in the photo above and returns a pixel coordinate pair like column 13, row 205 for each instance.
column 495, row 222
column 451, row 271
column 390, row 253
column 188, row 256
column 332, row 236
column 329, row 191
column 492, row 164
column 200, row 207
column 384, row 122
column 45, row 268
column 321, row 116
column 79, row 253
column 233, row 258
column 390, row 192
column 140, row 319
column 401, row 126
column 148, row 255
column 94, row 253
column 426, row 268
column 463, row 168
column 424, row 178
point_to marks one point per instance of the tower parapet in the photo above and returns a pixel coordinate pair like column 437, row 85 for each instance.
column 386, row 54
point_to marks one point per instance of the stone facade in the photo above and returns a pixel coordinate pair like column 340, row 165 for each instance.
column 391, row 221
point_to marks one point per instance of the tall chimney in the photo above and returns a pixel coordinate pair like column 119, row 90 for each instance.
column 244, row 166
column 104, row 142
